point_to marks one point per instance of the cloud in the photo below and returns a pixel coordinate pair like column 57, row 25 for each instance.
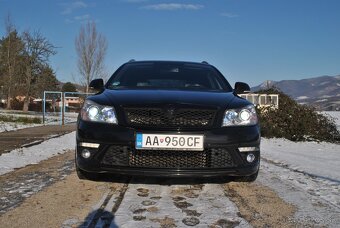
column 229, row 15
column 173, row 6
column 80, row 18
column 71, row 6
column 84, row 17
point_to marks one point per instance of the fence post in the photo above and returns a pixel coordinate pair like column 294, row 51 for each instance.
column 63, row 109
column 44, row 107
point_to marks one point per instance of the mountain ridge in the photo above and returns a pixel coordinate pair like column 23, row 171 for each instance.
column 322, row 92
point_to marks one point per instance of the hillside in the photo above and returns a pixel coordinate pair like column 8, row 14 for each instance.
column 322, row 92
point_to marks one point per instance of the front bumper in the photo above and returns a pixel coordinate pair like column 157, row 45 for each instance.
column 216, row 142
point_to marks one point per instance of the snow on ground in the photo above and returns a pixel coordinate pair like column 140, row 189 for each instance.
column 22, row 157
column 12, row 126
column 154, row 205
column 306, row 174
column 317, row 200
column 318, row 159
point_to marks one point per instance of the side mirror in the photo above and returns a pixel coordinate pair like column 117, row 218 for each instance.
column 241, row 87
column 97, row 84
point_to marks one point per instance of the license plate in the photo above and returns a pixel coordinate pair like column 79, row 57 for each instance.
column 169, row 142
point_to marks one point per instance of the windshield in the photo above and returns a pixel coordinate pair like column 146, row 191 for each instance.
column 172, row 76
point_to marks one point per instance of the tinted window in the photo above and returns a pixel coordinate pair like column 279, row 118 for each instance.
column 178, row 76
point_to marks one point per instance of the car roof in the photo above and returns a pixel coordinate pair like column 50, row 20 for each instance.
column 204, row 63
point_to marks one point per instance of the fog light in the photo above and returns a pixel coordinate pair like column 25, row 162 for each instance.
column 85, row 153
column 250, row 158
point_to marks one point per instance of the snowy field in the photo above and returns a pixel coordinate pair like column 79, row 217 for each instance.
column 313, row 167
column 33, row 155
column 318, row 159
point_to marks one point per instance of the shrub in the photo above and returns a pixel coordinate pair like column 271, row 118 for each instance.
column 25, row 120
column 296, row 122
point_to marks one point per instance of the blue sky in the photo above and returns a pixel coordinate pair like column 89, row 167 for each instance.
column 248, row 40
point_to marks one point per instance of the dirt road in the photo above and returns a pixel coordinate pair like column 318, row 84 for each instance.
column 49, row 194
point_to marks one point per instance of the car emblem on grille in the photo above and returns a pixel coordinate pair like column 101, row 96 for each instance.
column 169, row 113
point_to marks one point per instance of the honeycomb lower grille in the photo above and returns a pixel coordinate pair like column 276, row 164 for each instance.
column 169, row 118
column 209, row 158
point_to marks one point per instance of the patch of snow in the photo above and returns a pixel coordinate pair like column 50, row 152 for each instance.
column 302, row 98
column 338, row 84
column 305, row 174
column 50, row 117
column 322, row 100
column 180, row 205
column 326, row 96
column 13, row 126
column 22, row 157
column 317, row 200
column 319, row 159
column 324, row 83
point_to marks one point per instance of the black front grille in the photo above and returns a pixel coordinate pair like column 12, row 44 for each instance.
column 209, row 158
column 169, row 118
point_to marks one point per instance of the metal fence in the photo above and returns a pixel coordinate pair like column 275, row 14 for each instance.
column 62, row 107
column 262, row 100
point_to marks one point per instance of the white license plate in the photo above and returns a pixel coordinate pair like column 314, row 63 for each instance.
column 169, row 142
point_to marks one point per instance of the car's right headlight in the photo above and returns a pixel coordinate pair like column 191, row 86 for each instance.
column 92, row 111
column 245, row 116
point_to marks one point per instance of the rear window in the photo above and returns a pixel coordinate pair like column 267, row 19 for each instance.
column 172, row 76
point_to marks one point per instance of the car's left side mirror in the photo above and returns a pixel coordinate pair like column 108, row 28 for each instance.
column 241, row 87
column 97, row 84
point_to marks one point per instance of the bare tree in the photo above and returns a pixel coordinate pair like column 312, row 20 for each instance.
column 37, row 52
column 13, row 46
column 91, row 49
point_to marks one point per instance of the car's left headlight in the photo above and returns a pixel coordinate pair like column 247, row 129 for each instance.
column 92, row 111
column 245, row 116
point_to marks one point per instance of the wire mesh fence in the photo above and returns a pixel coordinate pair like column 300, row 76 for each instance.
column 62, row 107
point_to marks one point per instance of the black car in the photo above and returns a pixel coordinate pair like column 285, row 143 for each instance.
column 169, row 119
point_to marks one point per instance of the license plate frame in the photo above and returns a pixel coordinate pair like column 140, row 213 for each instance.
column 154, row 141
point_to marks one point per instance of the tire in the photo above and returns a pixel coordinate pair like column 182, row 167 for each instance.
column 250, row 178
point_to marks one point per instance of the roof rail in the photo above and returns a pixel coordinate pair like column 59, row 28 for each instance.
column 205, row 62
column 131, row 60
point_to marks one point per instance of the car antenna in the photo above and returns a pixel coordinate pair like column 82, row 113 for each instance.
column 205, row 62
column 132, row 60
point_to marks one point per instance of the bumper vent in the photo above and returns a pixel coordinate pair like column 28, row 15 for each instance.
column 209, row 158
column 169, row 118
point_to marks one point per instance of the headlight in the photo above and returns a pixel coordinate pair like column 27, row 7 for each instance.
column 240, row 117
column 92, row 111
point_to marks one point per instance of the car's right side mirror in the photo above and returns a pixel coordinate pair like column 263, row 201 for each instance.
column 241, row 87
column 97, row 84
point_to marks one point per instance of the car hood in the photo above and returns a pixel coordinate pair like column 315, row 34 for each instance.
column 118, row 98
